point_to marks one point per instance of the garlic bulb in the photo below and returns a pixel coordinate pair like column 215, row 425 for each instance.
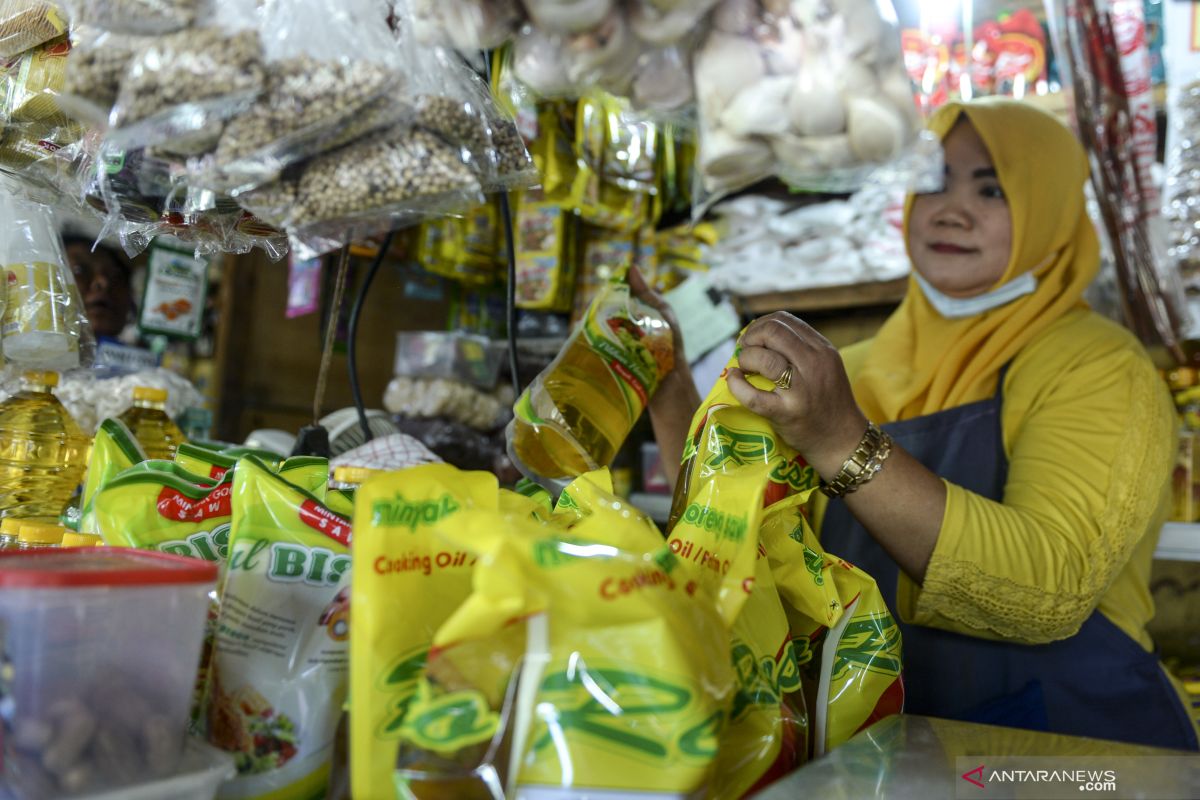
column 876, row 129
column 815, row 108
column 759, row 108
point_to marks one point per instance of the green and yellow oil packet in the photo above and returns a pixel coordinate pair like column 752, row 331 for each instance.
column 202, row 460
column 114, row 450
column 585, row 660
column 407, row 582
column 831, row 607
column 280, row 661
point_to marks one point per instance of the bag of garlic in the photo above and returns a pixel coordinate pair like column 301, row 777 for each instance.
column 835, row 70
column 324, row 85
column 180, row 88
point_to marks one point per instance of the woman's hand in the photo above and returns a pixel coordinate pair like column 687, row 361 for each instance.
column 816, row 415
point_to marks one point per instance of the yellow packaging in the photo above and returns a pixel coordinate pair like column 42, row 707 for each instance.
column 310, row 473
column 625, row 677
column 544, row 232
column 576, row 414
column 38, row 80
column 603, row 255
column 203, row 461
column 41, row 317
column 849, row 644
column 407, row 581
column 114, row 450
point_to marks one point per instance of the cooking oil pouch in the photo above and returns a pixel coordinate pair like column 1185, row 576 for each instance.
column 154, row 506
column 114, row 450
column 851, row 687
column 310, row 473
column 340, row 501
column 407, row 581
column 618, row 175
column 717, row 538
column 576, row 414
column 280, row 662
column 602, row 254
column 581, row 665
column 203, row 460
column 545, row 272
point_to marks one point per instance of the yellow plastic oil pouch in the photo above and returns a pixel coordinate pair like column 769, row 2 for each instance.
column 203, row 460
column 576, row 414
column 580, row 665
column 114, row 450
column 544, row 244
column 310, row 473
column 407, row 581
column 280, row 659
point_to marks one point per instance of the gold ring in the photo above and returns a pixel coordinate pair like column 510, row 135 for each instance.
column 784, row 381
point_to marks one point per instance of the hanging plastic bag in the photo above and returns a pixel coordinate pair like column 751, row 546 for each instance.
column 43, row 324
column 817, row 95
column 98, row 61
column 1181, row 185
column 138, row 16
column 578, row 411
column 320, row 80
column 180, row 88
column 466, row 25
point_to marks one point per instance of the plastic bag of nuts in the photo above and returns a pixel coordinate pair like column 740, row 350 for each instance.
column 95, row 67
column 137, row 16
column 180, row 87
column 401, row 175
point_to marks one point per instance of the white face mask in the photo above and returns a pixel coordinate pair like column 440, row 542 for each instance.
column 963, row 307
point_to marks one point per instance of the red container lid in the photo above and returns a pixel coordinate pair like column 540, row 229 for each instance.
column 70, row 567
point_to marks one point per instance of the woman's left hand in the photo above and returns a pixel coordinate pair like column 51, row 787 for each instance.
column 816, row 414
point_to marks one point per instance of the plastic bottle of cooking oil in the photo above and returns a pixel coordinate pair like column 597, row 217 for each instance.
column 42, row 450
column 579, row 410
column 147, row 420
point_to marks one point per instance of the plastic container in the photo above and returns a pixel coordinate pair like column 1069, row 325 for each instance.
column 147, row 420
column 200, row 774
column 102, row 646
column 42, row 451
column 39, row 535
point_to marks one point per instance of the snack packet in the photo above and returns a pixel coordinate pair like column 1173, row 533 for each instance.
column 584, row 659
column 575, row 415
column 402, row 571
column 280, row 657
column 114, row 450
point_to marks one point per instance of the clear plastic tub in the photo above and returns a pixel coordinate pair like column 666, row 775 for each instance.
column 100, row 646
column 201, row 772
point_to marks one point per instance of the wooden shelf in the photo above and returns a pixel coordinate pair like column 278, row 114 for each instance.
column 826, row 298
column 1180, row 541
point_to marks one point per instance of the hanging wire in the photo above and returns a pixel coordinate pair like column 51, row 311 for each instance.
column 352, row 341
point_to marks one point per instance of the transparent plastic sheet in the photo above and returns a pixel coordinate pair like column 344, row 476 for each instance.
column 43, row 325
column 1099, row 66
column 97, row 63
column 466, row 25
column 618, row 157
column 837, row 72
column 145, row 17
column 180, row 88
column 579, row 410
column 1181, row 186
column 25, row 24
column 395, row 178
column 325, row 84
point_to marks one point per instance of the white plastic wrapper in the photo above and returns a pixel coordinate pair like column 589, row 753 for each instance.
column 43, row 326
column 814, row 92
column 180, row 88
column 325, row 84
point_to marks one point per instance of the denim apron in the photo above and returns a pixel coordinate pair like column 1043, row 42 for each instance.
column 1098, row 683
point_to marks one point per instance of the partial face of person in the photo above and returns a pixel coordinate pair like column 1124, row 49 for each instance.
column 104, row 286
column 960, row 238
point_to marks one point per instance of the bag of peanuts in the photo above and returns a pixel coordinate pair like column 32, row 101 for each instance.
column 280, row 658
column 837, row 72
column 325, row 85
column 180, row 88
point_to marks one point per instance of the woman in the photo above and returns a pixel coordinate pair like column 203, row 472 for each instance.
column 1010, row 506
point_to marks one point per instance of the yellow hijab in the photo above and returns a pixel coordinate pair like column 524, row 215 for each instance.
column 920, row 362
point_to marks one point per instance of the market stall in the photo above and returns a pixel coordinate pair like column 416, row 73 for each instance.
column 329, row 334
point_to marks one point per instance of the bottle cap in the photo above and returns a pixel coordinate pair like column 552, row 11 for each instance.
column 42, row 378
column 149, row 394
column 40, row 533
column 73, row 539
column 354, row 475
column 11, row 526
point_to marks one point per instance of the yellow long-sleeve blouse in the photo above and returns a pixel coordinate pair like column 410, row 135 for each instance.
column 1089, row 431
